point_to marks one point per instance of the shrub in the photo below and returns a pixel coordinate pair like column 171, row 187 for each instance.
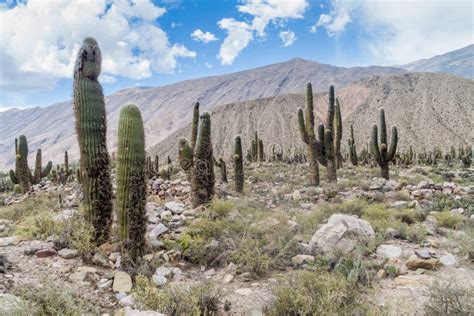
column 173, row 299
column 450, row 220
column 449, row 298
column 34, row 205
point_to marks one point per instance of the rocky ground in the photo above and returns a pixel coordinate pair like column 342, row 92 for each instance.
column 404, row 238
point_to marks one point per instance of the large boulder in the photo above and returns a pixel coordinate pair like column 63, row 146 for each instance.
column 343, row 233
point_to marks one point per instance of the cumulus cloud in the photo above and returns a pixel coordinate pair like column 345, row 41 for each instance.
column 41, row 41
column 107, row 79
column 240, row 33
column 288, row 38
column 400, row 31
column 205, row 37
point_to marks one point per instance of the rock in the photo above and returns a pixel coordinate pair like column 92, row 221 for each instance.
column 227, row 278
column 393, row 233
column 448, row 260
column 101, row 260
column 412, row 280
column 159, row 280
column 67, row 253
column 423, row 253
column 389, row 251
column 297, row 195
column 108, row 248
column 127, row 301
column 87, row 269
column 122, row 282
column 342, row 232
column 301, row 259
column 244, row 291
column 77, row 277
column 459, row 210
column 128, row 311
column 381, row 274
column 7, row 241
column 399, row 204
column 210, row 272
column 423, row 185
column 164, row 271
column 105, row 284
column 175, row 207
column 414, row 263
column 157, row 231
column 11, row 305
column 44, row 253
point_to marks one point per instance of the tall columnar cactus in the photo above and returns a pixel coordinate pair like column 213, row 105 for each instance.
column 306, row 126
column 383, row 154
column 22, row 174
column 91, row 129
column 203, row 178
column 185, row 157
column 238, row 165
column 14, row 174
column 195, row 125
column 156, row 165
column 131, row 181
column 328, row 146
column 223, row 169
column 352, row 148
column 337, row 133
column 261, row 152
column 39, row 172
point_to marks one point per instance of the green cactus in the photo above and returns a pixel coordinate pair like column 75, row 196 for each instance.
column 22, row 174
column 238, row 165
column 352, row 148
column 306, row 127
column 261, row 152
column 223, row 169
column 185, row 157
column 13, row 174
column 383, row 154
column 466, row 159
column 131, row 181
column 91, row 129
column 195, row 125
column 337, row 133
column 202, row 177
column 39, row 172
column 156, row 165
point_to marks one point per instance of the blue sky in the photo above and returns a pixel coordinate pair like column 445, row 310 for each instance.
column 150, row 43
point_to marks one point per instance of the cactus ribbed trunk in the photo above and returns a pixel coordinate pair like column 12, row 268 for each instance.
column 203, row 178
column 131, row 181
column 23, row 175
column 383, row 154
column 185, row 157
column 91, row 128
column 238, row 165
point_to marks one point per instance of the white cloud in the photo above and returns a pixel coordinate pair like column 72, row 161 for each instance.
column 208, row 65
column 41, row 41
column 205, row 37
column 240, row 34
column 288, row 38
column 400, row 31
column 107, row 79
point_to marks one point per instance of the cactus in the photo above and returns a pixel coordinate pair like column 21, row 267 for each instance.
column 91, row 129
column 223, row 169
column 261, row 152
column 466, row 159
column 306, row 127
column 337, row 133
column 383, row 154
column 39, row 172
column 352, row 148
column 238, row 165
column 131, row 181
column 156, row 165
column 185, row 157
column 195, row 125
column 202, row 177
column 22, row 174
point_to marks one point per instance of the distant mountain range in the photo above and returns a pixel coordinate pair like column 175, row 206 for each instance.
column 168, row 109
column 459, row 62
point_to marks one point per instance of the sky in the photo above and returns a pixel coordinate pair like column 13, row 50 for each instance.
column 159, row 42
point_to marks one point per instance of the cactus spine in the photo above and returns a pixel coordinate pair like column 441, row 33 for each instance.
column 238, row 165
column 39, row 172
column 306, row 127
column 383, row 154
column 91, row 128
column 131, row 183
column 352, row 148
column 202, row 178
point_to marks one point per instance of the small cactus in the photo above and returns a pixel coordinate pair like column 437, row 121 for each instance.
column 352, row 148
column 22, row 174
column 91, row 129
column 185, row 157
column 238, row 165
column 261, row 152
column 383, row 154
column 202, row 177
column 223, row 169
column 131, row 181
column 39, row 172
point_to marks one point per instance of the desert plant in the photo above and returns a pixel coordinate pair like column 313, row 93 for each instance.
column 352, row 148
column 195, row 125
column 39, row 172
column 131, row 183
column 185, row 156
column 223, row 169
column 202, row 177
column 238, row 165
column 383, row 154
column 91, row 129
column 22, row 174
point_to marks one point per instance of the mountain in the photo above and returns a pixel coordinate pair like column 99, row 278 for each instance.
column 459, row 62
column 429, row 110
column 169, row 108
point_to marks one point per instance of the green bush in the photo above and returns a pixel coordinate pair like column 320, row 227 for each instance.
column 450, row 220
column 173, row 299
column 449, row 298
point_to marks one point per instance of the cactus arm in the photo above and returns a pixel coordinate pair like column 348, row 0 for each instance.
column 195, row 125
column 393, row 144
column 13, row 177
column 374, row 144
column 309, row 111
column 47, row 169
column 331, row 108
column 302, row 127
column 383, row 128
column 238, row 165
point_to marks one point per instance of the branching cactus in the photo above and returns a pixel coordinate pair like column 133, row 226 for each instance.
column 185, row 157
column 22, row 174
column 39, row 172
column 131, row 181
column 91, row 129
column 238, row 165
column 306, row 127
column 352, row 148
column 203, row 178
column 337, row 133
column 383, row 154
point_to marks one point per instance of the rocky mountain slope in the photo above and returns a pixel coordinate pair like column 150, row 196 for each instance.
column 168, row 108
column 429, row 109
column 459, row 62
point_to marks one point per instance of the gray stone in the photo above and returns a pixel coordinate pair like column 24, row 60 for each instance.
column 7, row 241
column 423, row 253
column 122, row 282
column 342, row 233
column 105, row 284
column 448, row 260
column 128, row 311
column 301, row 259
column 159, row 279
column 11, row 305
column 389, row 251
column 157, row 231
column 101, row 260
column 67, row 253
column 164, row 271
column 399, row 204
column 175, row 207
column 77, row 277
column 210, row 272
